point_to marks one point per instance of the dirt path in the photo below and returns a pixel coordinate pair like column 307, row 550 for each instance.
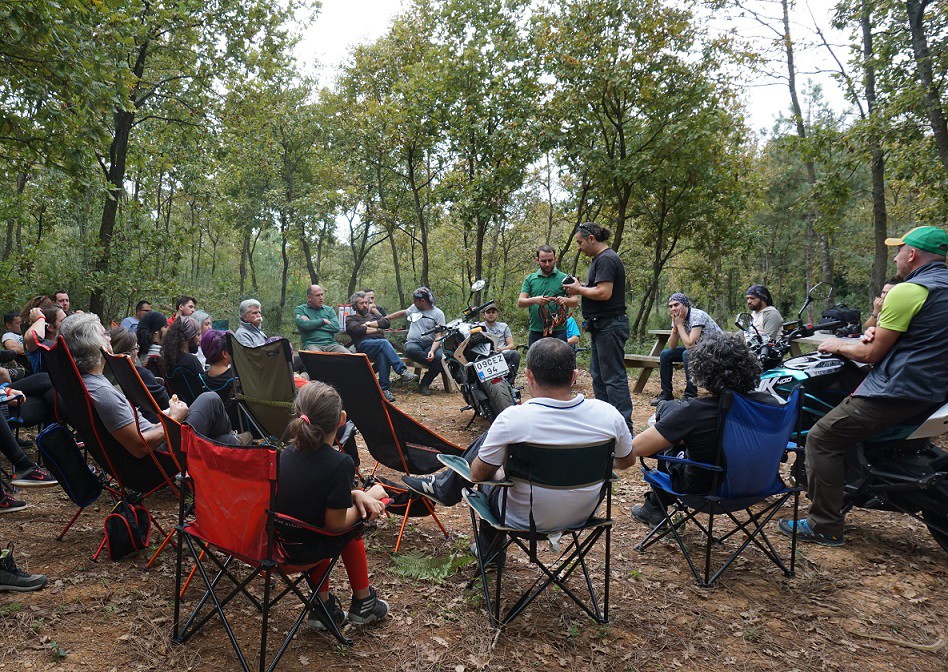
column 878, row 603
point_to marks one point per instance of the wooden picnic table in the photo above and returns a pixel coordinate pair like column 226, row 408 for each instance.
column 649, row 361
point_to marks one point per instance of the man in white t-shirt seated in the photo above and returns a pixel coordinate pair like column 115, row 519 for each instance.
column 553, row 416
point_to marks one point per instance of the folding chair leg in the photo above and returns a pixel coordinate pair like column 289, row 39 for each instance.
column 161, row 547
column 71, row 521
column 98, row 551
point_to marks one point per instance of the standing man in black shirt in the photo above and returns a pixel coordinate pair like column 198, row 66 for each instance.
column 603, row 305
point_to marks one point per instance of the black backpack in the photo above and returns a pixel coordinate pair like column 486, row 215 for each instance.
column 127, row 529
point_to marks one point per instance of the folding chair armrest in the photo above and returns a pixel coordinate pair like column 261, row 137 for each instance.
column 460, row 466
column 692, row 463
column 290, row 521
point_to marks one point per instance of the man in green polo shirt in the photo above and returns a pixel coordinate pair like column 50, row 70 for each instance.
column 543, row 294
column 317, row 323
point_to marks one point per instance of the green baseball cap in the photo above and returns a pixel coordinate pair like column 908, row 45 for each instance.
column 928, row 238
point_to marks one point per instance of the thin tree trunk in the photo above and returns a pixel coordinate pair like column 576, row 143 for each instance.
column 933, row 108
column 877, row 160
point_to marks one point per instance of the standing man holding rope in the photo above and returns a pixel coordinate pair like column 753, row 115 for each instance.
column 604, row 316
column 543, row 294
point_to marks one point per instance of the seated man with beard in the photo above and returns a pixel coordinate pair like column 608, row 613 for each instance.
column 367, row 332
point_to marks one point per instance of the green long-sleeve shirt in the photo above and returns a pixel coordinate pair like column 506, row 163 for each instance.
column 320, row 328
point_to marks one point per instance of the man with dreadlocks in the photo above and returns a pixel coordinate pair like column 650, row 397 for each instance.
column 544, row 295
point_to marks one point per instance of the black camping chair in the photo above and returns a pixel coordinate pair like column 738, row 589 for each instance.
column 556, row 467
column 143, row 475
column 234, row 525
column 264, row 387
column 754, row 441
column 393, row 437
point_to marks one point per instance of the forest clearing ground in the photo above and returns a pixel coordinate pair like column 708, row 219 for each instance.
column 878, row 603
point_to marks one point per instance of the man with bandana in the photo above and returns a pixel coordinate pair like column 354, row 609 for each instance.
column 688, row 325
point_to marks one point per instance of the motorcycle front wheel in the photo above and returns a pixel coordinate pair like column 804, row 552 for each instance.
column 499, row 397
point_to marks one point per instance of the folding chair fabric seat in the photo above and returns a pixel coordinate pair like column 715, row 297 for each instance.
column 559, row 467
column 393, row 437
column 264, row 386
column 144, row 475
column 754, row 441
column 234, row 489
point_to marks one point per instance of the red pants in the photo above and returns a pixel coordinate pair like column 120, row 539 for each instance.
column 353, row 557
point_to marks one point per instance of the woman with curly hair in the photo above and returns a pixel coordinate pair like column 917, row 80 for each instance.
column 180, row 345
column 689, row 428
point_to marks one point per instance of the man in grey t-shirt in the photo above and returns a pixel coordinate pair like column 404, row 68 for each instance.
column 688, row 325
column 505, row 341
column 419, row 346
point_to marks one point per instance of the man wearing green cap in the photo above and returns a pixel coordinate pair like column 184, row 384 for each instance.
column 910, row 354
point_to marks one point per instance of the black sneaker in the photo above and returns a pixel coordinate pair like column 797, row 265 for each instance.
column 664, row 396
column 425, row 390
column 15, row 579
column 423, row 485
column 24, row 442
column 368, row 610
column 34, row 478
column 497, row 559
column 9, row 505
column 7, row 356
column 649, row 513
column 339, row 616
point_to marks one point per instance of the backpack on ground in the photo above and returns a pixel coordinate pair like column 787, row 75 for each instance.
column 127, row 529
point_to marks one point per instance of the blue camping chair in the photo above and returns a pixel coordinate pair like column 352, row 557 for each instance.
column 753, row 443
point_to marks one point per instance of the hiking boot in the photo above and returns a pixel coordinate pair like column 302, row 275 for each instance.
column 16, row 374
column 664, row 396
column 339, row 616
column 388, row 396
column 243, row 438
column 34, row 478
column 807, row 533
column 15, row 579
column 495, row 559
column 407, row 376
column 425, row 390
column 368, row 610
column 425, row 486
column 24, row 442
column 7, row 356
column 649, row 512
column 9, row 505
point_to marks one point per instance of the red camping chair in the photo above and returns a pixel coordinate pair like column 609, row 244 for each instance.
column 393, row 438
column 135, row 390
column 234, row 523
column 145, row 475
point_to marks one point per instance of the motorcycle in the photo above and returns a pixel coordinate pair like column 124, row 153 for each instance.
column 899, row 470
column 474, row 361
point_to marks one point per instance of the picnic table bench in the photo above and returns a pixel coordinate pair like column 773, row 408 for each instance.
column 651, row 360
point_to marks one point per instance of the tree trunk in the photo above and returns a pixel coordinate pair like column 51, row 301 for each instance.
column 877, row 160
column 118, row 157
column 933, row 108
column 307, row 256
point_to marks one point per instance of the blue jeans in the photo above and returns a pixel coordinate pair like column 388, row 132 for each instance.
column 666, row 367
column 383, row 354
column 418, row 351
column 607, row 365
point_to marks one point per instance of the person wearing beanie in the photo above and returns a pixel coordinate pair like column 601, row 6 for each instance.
column 766, row 319
column 688, row 325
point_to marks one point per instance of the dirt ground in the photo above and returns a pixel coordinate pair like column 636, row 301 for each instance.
column 878, row 603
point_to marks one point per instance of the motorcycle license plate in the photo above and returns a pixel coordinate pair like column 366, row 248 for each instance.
column 494, row 366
